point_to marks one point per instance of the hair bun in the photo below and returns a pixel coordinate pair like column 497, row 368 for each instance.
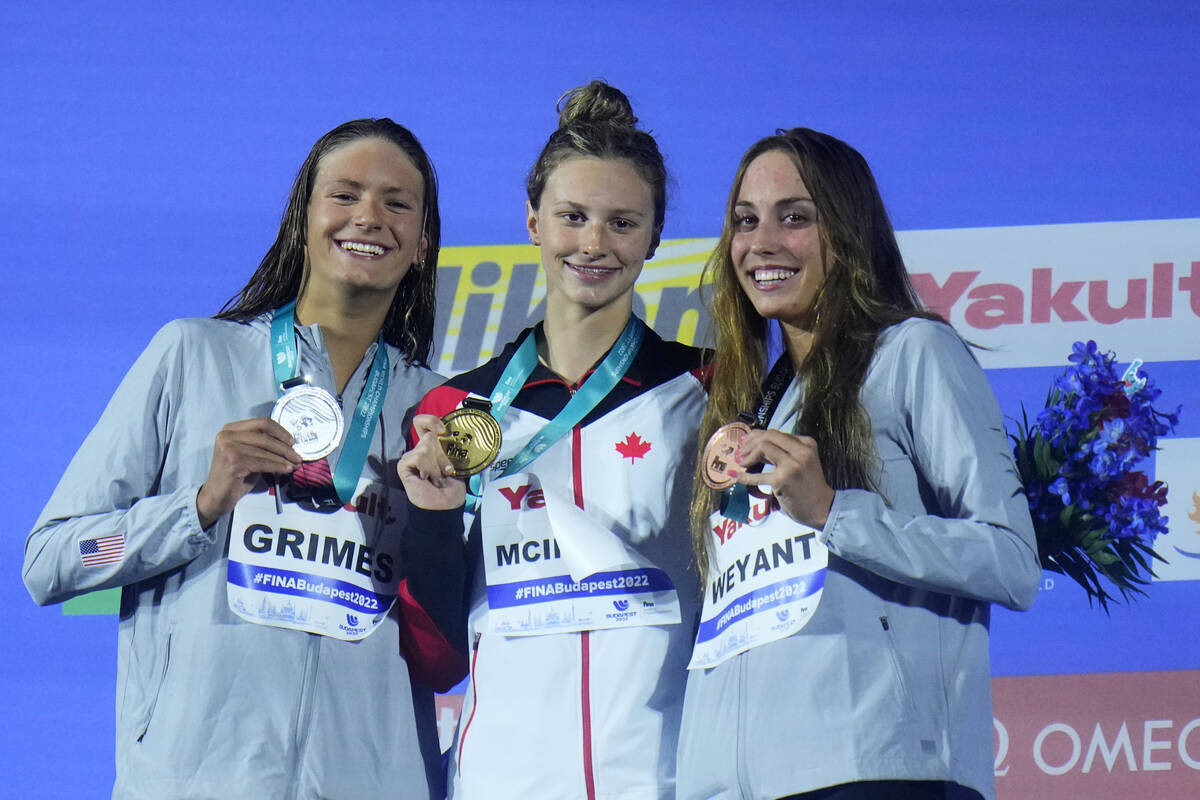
column 597, row 102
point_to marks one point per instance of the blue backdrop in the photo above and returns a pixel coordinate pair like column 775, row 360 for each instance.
column 148, row 149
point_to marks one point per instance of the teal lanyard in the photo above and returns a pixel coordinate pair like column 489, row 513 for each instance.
column 602, row 381
column 285, row 360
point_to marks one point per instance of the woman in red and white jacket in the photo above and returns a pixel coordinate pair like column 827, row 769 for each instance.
column 574, row 578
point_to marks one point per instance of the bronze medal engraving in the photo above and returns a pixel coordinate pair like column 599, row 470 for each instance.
column 718, row 456
column 471, row 440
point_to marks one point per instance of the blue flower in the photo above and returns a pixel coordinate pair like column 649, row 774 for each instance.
column 1078, row 463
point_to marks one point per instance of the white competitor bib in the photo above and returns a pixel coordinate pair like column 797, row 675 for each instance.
column 316, row 572
column 551, row 568
column 765, row 583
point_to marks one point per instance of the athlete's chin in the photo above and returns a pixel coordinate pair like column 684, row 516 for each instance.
column 595, row 298
column 782, row 312
column 370, row 282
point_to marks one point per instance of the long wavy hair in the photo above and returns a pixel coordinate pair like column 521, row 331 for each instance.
column 597, row 120
column 866, row 289
column 282, row 273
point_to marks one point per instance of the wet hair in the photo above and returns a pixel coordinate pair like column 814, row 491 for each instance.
column 597, row 120
column 866, row 289
column 281, row 273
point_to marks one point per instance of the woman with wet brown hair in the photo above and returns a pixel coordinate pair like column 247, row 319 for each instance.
column 240, row 490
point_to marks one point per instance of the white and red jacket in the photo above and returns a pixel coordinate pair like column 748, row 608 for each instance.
column 591, row 714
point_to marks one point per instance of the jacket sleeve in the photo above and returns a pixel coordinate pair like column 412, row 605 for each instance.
column 433, row 596
column 107, row 524
column 963, row 525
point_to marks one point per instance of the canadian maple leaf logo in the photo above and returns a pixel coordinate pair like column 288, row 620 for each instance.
column 633, row 447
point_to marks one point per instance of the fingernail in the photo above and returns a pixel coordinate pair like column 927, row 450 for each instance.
column 448, row 469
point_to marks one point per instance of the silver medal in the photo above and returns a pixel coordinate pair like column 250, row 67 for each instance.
column 314, row 419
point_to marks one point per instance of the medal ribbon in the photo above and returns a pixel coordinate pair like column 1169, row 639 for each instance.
column 735, row 502
column 587, row 397
column 285, row 360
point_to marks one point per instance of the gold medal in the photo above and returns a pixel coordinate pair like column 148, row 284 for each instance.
column 471, row 440
column 720, row 469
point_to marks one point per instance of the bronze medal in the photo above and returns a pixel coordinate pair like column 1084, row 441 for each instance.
column 718, row 456
column 471, row 440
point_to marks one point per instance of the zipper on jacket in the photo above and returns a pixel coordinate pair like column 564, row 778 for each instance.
column 304, row 704
column 589, row 776
column 462, row 737
column 897, row 665
column 585, row 640
column 162, row 678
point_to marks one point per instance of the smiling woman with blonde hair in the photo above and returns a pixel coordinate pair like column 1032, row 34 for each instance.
column 575, row 574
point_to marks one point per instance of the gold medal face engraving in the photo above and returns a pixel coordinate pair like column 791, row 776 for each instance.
column 471, row 440
column 314, row 419
column 718, row 456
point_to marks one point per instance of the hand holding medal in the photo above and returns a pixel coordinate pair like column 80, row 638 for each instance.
column 472, row 437
column 312, row 416
column 243, row 451
column 721, row 469
column 796, row 480
column 459, row 445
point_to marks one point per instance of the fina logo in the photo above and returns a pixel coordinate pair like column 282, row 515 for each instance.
column 352, row 620
column 621, row 605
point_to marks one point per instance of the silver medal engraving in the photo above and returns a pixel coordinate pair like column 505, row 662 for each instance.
column 314, row 419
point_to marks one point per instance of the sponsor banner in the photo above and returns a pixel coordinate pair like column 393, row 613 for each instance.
column 1030, row 292
column 1026, row 292
column 1177, row 464
column 492, row 293
column 1095, row 737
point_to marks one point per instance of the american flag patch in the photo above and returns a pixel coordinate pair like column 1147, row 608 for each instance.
column 103, row 550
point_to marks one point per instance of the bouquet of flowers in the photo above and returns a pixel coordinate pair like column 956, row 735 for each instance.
column 1094, row 512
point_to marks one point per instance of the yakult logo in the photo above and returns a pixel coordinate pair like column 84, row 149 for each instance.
column 1027, row 293
column 524, row 497
column 1046, row 298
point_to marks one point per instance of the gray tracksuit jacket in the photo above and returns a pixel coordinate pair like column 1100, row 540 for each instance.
column 208, row 705
column 890, row 678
